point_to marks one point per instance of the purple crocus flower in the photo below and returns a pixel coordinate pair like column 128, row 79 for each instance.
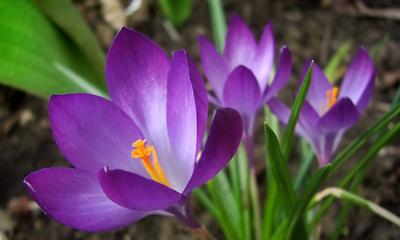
column 240, row 77
column 329, row 110
column 138, row 154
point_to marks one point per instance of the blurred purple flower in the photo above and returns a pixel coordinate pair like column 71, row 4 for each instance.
column 329, row 110
column 240, row 77
column 137, row 154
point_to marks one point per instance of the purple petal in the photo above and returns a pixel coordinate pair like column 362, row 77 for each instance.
column 201, row 99
column 214, row 66
column 358, row 83
column 92, row 132
column 182, row 127
column 264, row 57
column 341, row 116
column 316, row 95
column 135, row 192
column 137, row 71
column 224, row 138
column 74, row 198
column 282, row 74
column 307, row 118
column 242, row 92
column 240, row 43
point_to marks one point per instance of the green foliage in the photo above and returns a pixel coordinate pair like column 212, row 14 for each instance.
column 38, row 57
column 177, row 11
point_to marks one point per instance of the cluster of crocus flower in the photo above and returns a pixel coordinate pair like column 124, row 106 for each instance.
column 241, row 76
column 329, row 110
column 142, row 152
column 139, row 153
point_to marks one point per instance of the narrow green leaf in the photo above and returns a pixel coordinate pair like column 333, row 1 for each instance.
column 218, row 23
column 66, row 16
column 280, row 171
column 202, row 197
column 311, row 188
column 221, row 194
column 288, row 135
column 356, row 144
column 33, row 49
column 359, row 201
column 333, row 69
column 380, row 142
column 306, row 160
column 177, row 11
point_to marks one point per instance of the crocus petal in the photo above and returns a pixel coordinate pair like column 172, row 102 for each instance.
column 200, row 97
column 74, row 198
column 319, row 86
column 135, row 192
column 222, row 143
column 358, row 83
column 264, row 57
column 214, row 66
column 137, row 71
column 307, row 118
column 182, row 127
column 341, row 116
column 240, row 45
column 92, row 132
column 282, row 74
column 242, row 92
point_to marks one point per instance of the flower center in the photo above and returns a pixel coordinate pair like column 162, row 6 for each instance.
column 331, row 98
column 148, row 155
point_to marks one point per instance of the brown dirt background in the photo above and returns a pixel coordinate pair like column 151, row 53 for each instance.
column 310, row 29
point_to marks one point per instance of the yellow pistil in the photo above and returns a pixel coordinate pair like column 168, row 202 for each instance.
column 331, row 96
column 149, row 157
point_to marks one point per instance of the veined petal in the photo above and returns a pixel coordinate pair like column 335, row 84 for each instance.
column 200, row 97
column 214, row 66
column 282, row 74
column 240, row 45
column 224, row 138
column 264, row 57
column 319, row 86
column 74, row 198
column 135, row 192
column 92, row 132
column 307, row 118
column 181, row 118
column 341, row 116
column 242, row 92
column 136, row 72
column 358, row 83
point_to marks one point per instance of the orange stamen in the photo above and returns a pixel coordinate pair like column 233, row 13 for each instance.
column 143, row 151
column 331, row 96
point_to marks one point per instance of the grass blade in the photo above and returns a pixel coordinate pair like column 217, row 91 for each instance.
column 288, row 135
column 218, row 23
column 279, row 169
column 381, row 141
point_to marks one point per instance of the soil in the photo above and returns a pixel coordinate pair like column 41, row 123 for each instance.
column 310, row 29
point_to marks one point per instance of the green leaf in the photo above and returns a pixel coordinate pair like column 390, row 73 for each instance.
column 359, row 201
column 218, row 23
column 356, row 144
column 34, row 52
column 280, row 170
column 288, row 135
column 333, row 69
column 177, row 11
column 380, row 142
column 311, row 188
column 64, row 14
